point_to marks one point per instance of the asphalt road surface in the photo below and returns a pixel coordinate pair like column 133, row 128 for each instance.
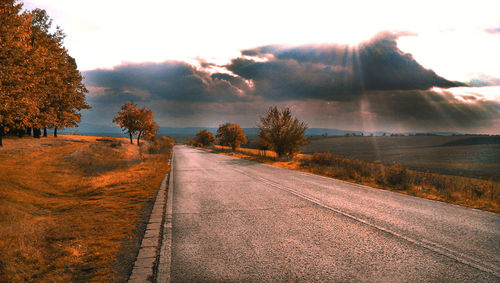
column 236, row 220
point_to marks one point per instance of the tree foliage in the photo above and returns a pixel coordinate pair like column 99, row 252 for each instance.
column 136, row 121
column 281, row 132
column 203, row 138
column 40, row 85
column 231, row 135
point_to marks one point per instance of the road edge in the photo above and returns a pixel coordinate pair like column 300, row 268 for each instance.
column 165, row 259
column 146, row 261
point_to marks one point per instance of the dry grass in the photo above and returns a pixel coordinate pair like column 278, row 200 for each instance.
column 471, row 192
column 467, row 156
column 68, row 205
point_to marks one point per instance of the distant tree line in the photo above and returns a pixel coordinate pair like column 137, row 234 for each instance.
column 40, row 85
column 278, row 131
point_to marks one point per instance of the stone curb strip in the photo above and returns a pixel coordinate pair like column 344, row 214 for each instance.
column 147, row 260
column 165, row 259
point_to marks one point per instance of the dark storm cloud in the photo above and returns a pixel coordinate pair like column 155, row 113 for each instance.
column 337, row 86
column 429, row 109
column 493, row 30
column 334, row 72
column 171, row 80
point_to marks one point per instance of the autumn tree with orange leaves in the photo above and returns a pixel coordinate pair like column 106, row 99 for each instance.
column 231, row 135
column 40, row 85
column 136, row 122
column 203, row 138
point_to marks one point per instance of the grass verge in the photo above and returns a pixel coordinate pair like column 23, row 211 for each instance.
column 69, row 206
column 471, row 192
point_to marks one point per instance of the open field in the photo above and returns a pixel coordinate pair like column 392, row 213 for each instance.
column 72, row 208
column 469, row 156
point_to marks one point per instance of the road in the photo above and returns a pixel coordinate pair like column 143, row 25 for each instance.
column 236, row 220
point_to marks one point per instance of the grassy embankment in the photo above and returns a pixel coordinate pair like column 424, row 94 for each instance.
column 471, row 192
column 72, row 208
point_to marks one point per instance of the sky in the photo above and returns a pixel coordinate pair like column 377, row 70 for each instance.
column 355, row 65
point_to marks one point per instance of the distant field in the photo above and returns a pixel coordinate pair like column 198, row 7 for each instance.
column 471, row 156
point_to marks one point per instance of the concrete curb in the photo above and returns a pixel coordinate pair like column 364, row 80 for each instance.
column 165, row 260
column 146, row 260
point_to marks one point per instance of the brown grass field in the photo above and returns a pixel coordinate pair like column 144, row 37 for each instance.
column 466, row 191
column 468, row 156
column 72, row 208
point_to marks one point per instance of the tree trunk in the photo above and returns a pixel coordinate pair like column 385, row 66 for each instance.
column 44, row 132
column 20, row 133
column 131, row 141
column 1, row 134
column 28, row 131
column 138, row 139
column 55, row 132
column 36, row 133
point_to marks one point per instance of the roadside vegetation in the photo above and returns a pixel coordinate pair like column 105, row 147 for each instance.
column 203, row 138
column 74, row 208
column 281, row 137
column 471, row 192
column 465, row 191
column 466, row 156
column 231, row 135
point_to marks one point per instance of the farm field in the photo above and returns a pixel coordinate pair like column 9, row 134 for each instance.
column 470, row 156
column 73, row 208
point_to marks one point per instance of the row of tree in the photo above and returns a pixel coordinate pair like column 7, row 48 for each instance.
column 278, row 131
column 228, row 134
column 40, row 85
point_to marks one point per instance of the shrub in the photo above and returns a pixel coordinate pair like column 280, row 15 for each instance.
column 451, row 188
column 160, row 144
column 203, row 138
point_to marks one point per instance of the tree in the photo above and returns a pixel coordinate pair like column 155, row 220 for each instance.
column 40, row 85
column 127, row 119
column 203, row 138
column 16, row 81
column 231, row 135
column 136, row 121
column 281, row 132
column 146, row 125
column 60, row 92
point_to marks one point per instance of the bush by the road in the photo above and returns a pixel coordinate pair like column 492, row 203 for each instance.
column 203, row 138
column 466, row 191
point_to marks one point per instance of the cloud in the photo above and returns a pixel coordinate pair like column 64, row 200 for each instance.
column 170, row 80
column 334, row 72
column 492, row 30
column 374, row 86
column 432, row 110
column 484, row 80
